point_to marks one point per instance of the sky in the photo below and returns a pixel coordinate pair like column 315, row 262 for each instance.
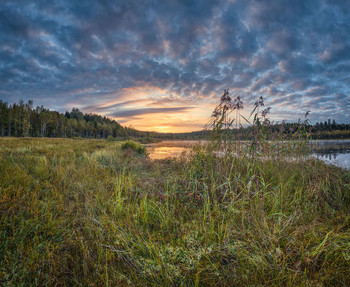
column 163, row 65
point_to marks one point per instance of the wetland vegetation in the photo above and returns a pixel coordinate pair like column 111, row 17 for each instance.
column 87, row 213
column 96, row 212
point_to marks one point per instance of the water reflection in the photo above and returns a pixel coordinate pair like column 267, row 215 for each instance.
column 169, row 149
column 327, row 156
column 336, row 152
column 165, row 152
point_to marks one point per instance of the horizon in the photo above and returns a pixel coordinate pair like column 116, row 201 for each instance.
column 163, row 66
column 260, row 111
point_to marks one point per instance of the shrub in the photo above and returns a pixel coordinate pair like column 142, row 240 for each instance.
column 135, row 146
column 110, row 139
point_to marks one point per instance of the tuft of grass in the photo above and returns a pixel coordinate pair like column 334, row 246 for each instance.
column 134, row 146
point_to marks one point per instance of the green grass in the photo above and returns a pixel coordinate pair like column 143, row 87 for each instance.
column 134, row 147
column 87, row 213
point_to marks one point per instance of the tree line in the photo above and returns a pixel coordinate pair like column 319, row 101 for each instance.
column 24, row 120
column 330, row 130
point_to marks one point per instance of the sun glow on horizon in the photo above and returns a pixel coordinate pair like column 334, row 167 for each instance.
column 150, row 108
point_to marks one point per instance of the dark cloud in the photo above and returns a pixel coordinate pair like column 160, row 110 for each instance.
column 109, row 107
column 138, row 112
column 64, row 53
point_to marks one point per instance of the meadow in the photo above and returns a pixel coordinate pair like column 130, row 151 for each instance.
column 79, row 212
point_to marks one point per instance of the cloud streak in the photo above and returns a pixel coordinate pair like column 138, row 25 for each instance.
column 148, row 111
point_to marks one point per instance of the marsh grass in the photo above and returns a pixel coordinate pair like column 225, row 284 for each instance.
column 84, row 213
column 133, row 146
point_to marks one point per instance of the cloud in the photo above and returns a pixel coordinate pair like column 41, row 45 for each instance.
column 88, row 53
column 147, row 111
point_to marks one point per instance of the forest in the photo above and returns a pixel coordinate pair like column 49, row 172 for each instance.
column 25, row 120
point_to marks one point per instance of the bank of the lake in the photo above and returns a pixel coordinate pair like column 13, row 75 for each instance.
column 336, row 152
column 87, row 213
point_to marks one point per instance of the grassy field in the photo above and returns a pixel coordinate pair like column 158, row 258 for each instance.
column 88, row 213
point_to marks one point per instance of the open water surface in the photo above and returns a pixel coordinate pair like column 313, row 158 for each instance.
column 167, row 149
column 336, row 152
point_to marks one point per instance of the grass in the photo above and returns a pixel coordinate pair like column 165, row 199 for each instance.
column 133, row 146
column 87, row 213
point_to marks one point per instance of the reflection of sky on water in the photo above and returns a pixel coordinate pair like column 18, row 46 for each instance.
column 169, row 149
column 331, row 152
column 337, row 158
column 336, row 152
column 164, row 152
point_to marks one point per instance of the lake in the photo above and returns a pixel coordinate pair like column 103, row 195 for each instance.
column 336, row 152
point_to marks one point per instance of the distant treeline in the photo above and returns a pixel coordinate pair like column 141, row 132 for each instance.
column 323, row 130
column 275, row 131
column 330, row 130
column 24, row 120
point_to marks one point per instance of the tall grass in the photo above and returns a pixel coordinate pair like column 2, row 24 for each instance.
column 86, row 213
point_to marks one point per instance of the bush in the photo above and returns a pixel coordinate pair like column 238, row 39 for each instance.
column 135, row 146
column 110, row 139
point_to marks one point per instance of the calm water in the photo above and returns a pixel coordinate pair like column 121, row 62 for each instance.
column 335, row 152
column 166, row 149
